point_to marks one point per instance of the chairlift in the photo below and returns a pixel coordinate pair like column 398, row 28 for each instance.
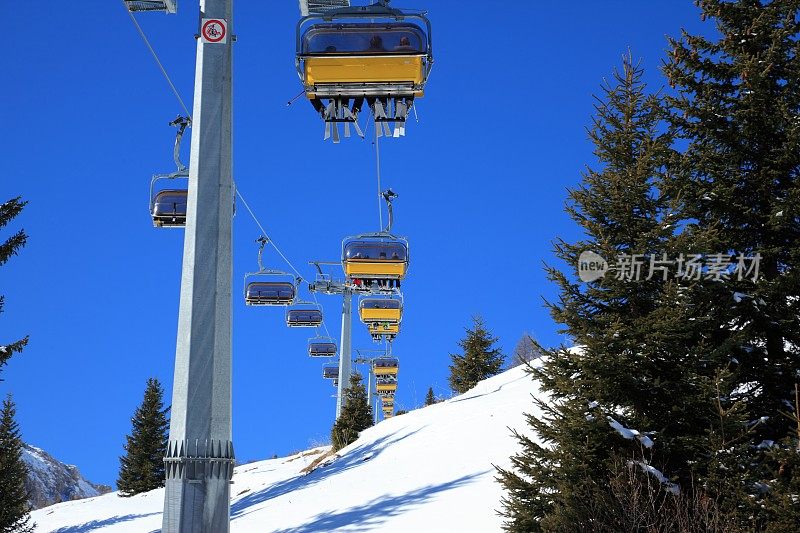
column 386, row 387
column 375, row 258
column 169, row 204
column 330, row 371
column 304, row 315
column 369, row 53
column 377, row 311
column 268, row 287
column 269, row 291
column 321, row 347
column 385, row 366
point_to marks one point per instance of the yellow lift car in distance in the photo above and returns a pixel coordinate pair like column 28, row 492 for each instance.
column 385, row 366
column 385, row 387
column 376, row 311
column 378, row 331
column 375, row 258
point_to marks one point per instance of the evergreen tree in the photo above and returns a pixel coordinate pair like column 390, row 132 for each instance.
column 356, row 415
column 737, row 108
column 479, row 361
column 9, row 247
column 635, row 367
column 142, row 466
column 430, row 399
column 14, row 505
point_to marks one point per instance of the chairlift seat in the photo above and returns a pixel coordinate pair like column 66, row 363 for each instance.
column 375, row 258
column 303, row 318
column 389, row 59
column 169, row 208
column 269, row 293
column 386, row 387
column 322, row 349
column 380, row 311
column 385, row 366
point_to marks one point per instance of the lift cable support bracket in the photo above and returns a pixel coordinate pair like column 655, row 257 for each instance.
column 167, row 6
column 315, row 7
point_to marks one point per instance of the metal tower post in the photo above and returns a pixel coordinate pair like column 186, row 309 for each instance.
column 200, row 457
column 345, row 349
column 369, row 384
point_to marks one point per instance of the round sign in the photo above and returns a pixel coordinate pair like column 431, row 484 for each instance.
column 214, row 30
column 591, row 266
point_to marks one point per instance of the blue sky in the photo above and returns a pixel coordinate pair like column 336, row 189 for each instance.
column 482, row 180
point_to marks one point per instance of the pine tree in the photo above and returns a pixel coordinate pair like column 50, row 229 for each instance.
column 14, row 505
column 356, row 415
column 479, row 361
column 430, row 398
column 635, row 367
column 11, row 246
column 142, row 466
column 737, row 108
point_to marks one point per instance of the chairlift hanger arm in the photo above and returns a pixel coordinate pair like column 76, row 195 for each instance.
column 389, row 195
column 181, row 123
column 262, row 241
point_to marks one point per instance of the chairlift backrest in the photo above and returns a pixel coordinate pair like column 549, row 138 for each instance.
column 330, row 372
column 304, row 314
column 364, row 39
column 375, row 250
column 322, row 349
column 259, row 291
column 380, row 303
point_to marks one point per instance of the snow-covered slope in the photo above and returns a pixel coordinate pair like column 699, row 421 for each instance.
column 427, row 470
column 51, row 481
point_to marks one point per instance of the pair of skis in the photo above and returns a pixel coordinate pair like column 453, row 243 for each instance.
column 338, row 111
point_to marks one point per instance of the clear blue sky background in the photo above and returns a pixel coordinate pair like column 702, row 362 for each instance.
column 482, row 180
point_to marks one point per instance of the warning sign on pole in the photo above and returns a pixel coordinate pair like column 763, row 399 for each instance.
column 214, row 31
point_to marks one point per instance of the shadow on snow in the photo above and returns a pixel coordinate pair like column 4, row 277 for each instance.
column 373, row 513
column 98, row 524
column 353, row 458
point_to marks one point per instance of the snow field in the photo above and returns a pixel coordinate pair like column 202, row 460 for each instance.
column 428, row 470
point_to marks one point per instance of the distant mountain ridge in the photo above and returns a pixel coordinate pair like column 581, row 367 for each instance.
column 51, row 481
